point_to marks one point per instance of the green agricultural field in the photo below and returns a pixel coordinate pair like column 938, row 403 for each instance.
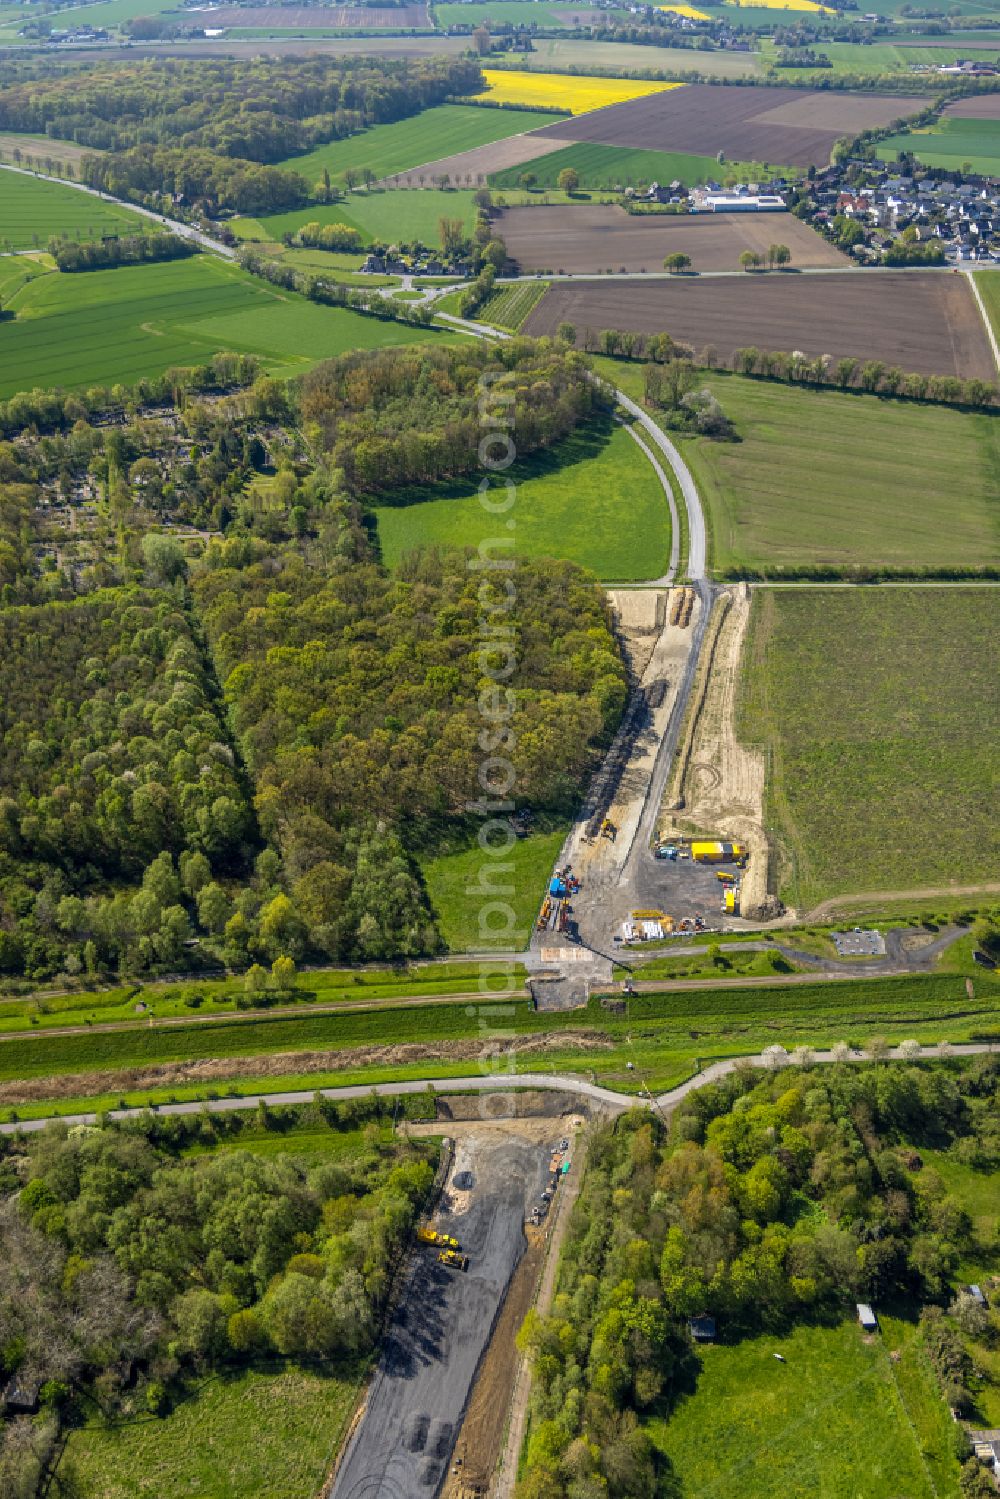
column 395, row 216
column 32, row 209
column 100, row 327
column 269, row 1434
column 951, row 143
column 454, row 886
column 620, row 166
column 405, row 144
column 830, row 1421
column 989, row 289
column 558, row 54
column 508, row 307
column 114, row 13
column 511, row 12
column 776, row 501
column 876, row 710
column 594, row 499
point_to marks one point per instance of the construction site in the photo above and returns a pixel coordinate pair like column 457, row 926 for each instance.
column 435, row 1413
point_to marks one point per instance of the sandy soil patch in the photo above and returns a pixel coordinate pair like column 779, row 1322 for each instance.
column 214, row 1070
column 478, row 163
column 602, row 236
column 720, row 782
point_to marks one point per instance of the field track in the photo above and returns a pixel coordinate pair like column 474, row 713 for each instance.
column 597, row 237
column 922, row 321
column 787, row 126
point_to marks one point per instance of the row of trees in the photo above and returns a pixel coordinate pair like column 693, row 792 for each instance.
column 774, row 1199
column 125, row 249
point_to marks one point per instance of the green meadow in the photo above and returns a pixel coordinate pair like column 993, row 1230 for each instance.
column 876, row 710
column 422, row 139
column 856, row 493
column 32, row 209
column 988, row 283
column 834, row 1420
column 601, row 166
column 393, row 216
column 269, row 1433
column 99, row 327
column 593, row 499
column 454, row 878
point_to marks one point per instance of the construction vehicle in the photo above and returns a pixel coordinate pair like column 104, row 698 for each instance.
column 453, row 1259
column 719, row 853
column 431, row 1236
column 608, row 829
column 727, row 879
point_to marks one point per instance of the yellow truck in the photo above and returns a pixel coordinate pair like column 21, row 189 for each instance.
column 442, row 1241
column 719, row 853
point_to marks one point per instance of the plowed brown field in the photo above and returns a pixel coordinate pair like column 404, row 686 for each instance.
column 924, row 321
column 978, row 107
column 783, row 126
column 602, row 236
column 322, row 17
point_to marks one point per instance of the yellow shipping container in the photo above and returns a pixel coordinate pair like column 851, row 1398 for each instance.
column 717, row 853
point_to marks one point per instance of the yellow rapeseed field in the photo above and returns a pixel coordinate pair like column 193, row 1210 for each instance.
column 781, row 5
column 685, row 10
column 561, row 91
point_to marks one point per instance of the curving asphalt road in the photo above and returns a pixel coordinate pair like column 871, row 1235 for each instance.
column 493, row 1082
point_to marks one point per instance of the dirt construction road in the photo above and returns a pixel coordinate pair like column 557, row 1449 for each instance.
column 402, row 1446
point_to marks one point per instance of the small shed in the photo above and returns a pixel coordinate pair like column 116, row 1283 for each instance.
column 702, row 1328
column 867, row 1317
column 20, row 1397
column 976, row 1295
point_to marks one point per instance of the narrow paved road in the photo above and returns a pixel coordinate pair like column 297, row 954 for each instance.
column 493, row 1082
column 184, row 231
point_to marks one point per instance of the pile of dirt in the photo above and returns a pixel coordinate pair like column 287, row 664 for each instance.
column 213, row 1070
column 723, row 780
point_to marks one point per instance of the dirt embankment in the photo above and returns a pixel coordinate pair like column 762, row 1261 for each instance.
column 720, row 782
column 215, row 1070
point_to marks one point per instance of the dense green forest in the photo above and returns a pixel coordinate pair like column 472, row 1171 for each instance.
column 226, row 750
column 389, row 421
column 183, row 134
column 774, row 1200
column 131, row 1268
